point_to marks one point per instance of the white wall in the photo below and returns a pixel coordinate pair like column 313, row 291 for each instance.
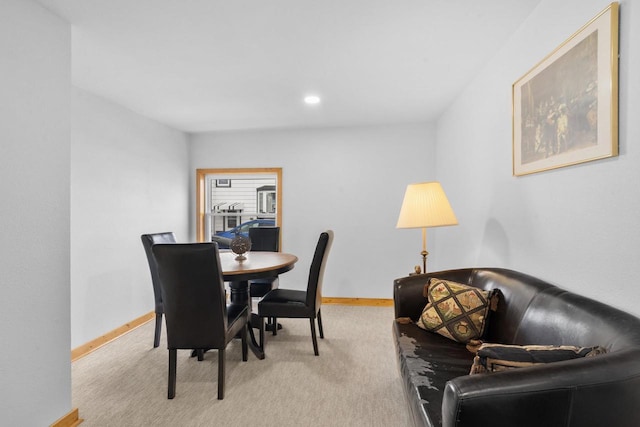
column 576, row 226
column 129, row 176
column 34, row 215
column 351, row 180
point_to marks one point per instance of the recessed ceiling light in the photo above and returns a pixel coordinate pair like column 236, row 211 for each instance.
column 312, row 99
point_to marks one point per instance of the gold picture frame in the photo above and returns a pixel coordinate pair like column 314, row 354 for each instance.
column 565, row 109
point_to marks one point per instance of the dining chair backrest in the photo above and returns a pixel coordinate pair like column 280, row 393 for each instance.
column 194, row 298
column 148, row 240
column 316, row 272
column 265, row 239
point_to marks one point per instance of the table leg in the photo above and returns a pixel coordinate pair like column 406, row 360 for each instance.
column 240, row 296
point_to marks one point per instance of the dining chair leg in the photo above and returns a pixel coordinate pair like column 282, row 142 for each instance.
column 172, row 373
column 313, row 336
column 200, row 353
column 156, row 338
column 245, row 346
column 275, row 322
column 320, row 324
column 221, row 360
column 262, row 334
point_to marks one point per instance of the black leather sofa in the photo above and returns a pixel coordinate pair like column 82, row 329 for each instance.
column 597, row 391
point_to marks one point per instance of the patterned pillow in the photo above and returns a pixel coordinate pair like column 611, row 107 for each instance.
column 454, row 310
column 501, row 357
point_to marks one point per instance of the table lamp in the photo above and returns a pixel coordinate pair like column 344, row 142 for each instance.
column 425, row 205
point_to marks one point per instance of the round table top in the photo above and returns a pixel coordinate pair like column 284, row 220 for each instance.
column 257, row 264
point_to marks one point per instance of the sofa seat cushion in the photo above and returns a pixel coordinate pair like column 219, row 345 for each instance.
column 427, row 361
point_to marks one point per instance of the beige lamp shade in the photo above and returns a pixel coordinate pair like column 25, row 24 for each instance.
column 425, row 205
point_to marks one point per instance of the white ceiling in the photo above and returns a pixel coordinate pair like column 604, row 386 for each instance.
column 203, row 65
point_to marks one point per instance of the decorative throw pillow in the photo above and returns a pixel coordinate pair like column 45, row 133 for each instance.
column 501, row 357
column 454, row 310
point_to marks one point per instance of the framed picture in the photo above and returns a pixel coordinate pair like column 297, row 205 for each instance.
column 565, row 109
column 223, row 183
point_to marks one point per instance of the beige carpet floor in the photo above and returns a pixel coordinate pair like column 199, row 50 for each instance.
column 354, row 381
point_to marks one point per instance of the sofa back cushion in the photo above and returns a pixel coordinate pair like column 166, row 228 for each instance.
column 516, row 291
column 556, row 316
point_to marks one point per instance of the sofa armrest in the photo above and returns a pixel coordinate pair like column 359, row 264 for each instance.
column 594, row 391
column 408, row 298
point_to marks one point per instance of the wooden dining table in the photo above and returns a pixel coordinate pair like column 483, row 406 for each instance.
column 257, row 265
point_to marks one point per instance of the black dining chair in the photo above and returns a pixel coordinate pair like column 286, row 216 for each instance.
column 148, row 240
column 264, row 239
column 290, row 303
column 196, row 312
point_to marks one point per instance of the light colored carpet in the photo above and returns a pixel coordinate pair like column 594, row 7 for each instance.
column 354, row 381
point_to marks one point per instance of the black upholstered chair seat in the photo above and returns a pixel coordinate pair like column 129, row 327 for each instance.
column 285, row 303
column 192, row 337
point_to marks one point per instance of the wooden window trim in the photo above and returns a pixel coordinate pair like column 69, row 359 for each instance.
column 201, row 187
